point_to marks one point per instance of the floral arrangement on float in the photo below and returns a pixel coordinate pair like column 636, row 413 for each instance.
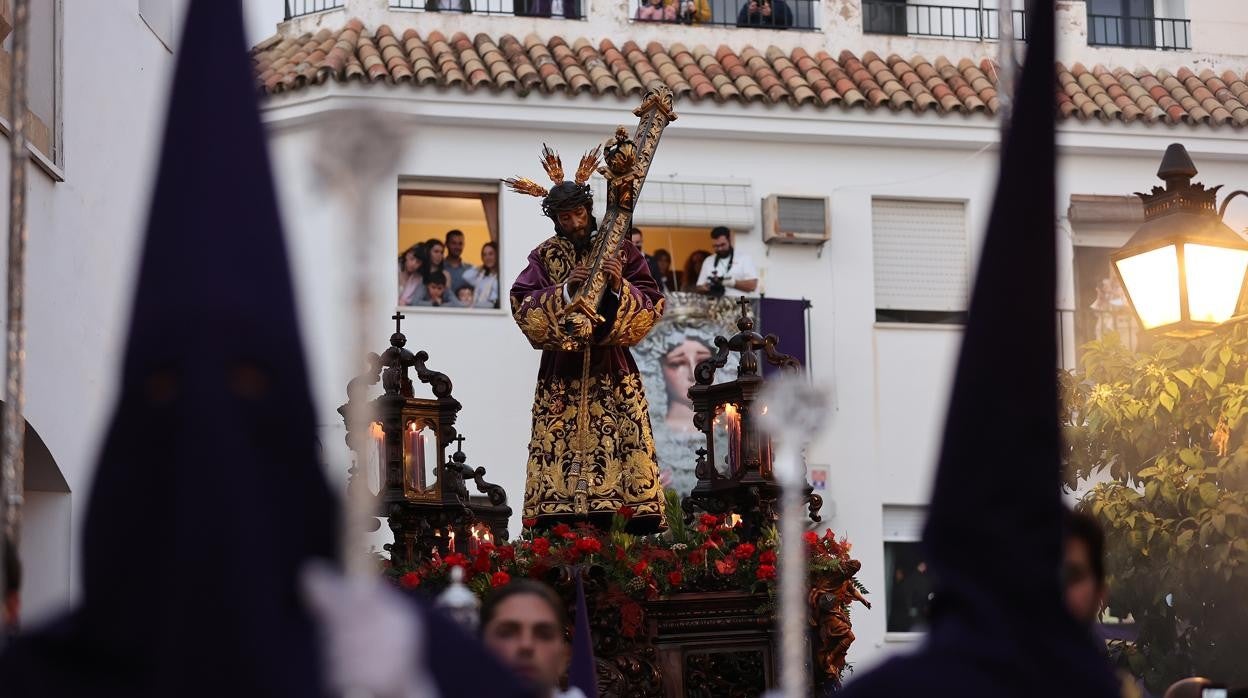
column 625, row 572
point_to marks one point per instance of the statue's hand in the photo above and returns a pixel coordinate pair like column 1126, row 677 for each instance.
column 614, row 270
column 578, row 276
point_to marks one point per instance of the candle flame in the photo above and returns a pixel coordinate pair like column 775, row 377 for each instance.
column 375, row 430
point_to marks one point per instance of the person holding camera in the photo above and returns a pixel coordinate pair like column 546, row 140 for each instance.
column 727, row 273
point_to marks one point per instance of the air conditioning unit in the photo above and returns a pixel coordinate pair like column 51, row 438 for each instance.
column 795, row 220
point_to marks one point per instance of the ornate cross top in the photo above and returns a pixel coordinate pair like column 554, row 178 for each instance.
column 398, row 322
column 459, row 443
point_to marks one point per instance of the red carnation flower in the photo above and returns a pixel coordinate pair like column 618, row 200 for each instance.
column 588, row 545
column 499, row 579
column 697, row 557
column 766, row 572
column 626, row 512
column 529, row 521
column 744, row 551
column 411, row 580
column 726, row 566
column 561, row 529
column 767, row 557
column 455, row 559
column 481, row 564
column 506, row 552
column 709, row 520
column 640, row 568
column 675, row 578
column 541, row 546
column 811, row 537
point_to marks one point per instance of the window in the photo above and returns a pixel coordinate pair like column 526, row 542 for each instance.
column 568, row 9
column 1101, row 304
column 952, row 19
column 908, row 583
column 448, row 246
column 765, row 14
column 43, row 76
column 922, row 261
column 1133, row 23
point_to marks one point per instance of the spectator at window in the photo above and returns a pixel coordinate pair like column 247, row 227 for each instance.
column 693, row 267
column 656, row 11
column 694, row 11
column 542, row 8
column 436, row 292
column 452, row 5
column 454, row 264
column 728, row 273
column 485, row 278
column 435, row 256
column 411, row 279
column 770, row 14
column 464, row 294
column 663, row 273
column 635, row 235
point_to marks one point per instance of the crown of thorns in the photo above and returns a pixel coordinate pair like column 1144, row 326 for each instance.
column 564, row 194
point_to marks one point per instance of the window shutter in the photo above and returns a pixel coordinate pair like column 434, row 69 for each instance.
column 921, row 258
column 904, row 523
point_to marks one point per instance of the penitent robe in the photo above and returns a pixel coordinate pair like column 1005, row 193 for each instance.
column 617, row 459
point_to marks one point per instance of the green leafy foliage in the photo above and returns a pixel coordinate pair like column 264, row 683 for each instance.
column 1161, row 434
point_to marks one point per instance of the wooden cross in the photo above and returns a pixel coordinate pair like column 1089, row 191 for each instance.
column 459, row 443
column 398, row 322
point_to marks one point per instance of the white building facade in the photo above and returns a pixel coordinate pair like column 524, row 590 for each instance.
column 889, row 175
column 904, row 164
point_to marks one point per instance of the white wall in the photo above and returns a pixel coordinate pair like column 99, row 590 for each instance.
column 83, row 236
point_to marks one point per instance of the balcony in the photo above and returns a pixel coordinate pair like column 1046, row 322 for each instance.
column 939, row 21
column 567, row 9
column 1140, row 32
column 299, row 8
column 755, row 14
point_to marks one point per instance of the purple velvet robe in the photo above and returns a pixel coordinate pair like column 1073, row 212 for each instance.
column 617, row 459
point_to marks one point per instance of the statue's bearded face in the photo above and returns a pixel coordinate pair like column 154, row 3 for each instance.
column 574, row 223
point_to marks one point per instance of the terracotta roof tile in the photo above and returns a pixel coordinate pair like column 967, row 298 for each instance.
column 771, row 75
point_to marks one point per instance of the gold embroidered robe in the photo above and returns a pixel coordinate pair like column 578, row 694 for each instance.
column 591, row 423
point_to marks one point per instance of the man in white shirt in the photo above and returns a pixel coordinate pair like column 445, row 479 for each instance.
column 727, row 273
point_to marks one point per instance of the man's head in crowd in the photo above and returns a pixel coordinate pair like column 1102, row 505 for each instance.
column 435, row 284
column 454, row 245
column 634, row 234
column 12, row 586
column 721, row 241
column 524, row 623
column 464, row 293
column 1083, row 567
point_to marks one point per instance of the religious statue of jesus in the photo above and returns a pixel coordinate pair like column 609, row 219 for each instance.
column 592, row 451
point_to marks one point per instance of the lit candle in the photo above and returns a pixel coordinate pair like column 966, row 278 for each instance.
column 376, row 463
column 734, row 437
column 414, row 447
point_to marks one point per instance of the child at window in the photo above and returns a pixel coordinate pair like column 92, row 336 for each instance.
column 656, row 11
column 435, row 290
column 464, row 294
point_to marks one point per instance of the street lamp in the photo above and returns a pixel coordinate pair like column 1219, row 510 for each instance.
column 1183, row 270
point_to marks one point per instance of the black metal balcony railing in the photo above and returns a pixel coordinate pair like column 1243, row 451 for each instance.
column 754, row 14
column 885, row 17
column 299, row 8
column 1140, row 32
column 567, row 9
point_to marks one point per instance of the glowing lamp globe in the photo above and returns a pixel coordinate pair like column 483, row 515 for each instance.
column 1183, row 270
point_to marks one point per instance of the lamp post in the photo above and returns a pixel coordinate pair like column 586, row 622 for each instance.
column 1183, row 270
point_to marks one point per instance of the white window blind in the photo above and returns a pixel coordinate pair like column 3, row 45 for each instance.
column 921, row 256
column 904, row 523
column 699, row 204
